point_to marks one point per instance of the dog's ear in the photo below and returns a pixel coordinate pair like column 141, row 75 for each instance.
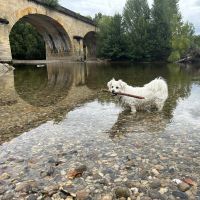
column 109, row 84
column 122, row 84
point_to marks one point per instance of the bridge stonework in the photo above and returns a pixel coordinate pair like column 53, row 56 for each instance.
column 66, row 34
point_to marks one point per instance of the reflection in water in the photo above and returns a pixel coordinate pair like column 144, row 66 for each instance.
column 7, row 98
column 43, row 86
column 47, row 86
column 141, row 122
column 186, row 116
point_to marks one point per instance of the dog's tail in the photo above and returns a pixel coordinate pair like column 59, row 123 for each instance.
column 159, row 87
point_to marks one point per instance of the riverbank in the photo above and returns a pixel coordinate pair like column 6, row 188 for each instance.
column 100, row 61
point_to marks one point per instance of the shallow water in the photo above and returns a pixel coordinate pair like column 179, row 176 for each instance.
column 60, row 112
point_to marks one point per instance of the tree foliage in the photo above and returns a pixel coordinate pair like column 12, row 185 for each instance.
column 181, row 41
column 197, row 40
column 111, row 39
column 51, row 3
column 160, row 30
column 156, row 34
column 136, row 22
column 26, row 43
column 97, row 17
column 182, row 33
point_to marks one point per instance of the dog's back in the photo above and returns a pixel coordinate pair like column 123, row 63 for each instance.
column 159, row 88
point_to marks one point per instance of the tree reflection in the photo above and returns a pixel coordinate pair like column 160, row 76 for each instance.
column 43, row 86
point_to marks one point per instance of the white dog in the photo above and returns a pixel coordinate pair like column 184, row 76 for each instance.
column 155, row 94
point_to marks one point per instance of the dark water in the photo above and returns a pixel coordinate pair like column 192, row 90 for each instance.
column 61, row 108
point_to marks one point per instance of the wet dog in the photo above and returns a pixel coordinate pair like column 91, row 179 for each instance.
column 155, row 94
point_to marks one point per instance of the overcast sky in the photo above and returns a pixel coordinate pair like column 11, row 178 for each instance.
column 190, row 9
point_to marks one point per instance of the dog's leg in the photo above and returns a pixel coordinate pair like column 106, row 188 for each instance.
column 159, row 106
column 133, row 109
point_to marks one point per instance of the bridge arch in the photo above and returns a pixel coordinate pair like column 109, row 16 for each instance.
column 89, row 46
column 59, row 26
column 57, row 40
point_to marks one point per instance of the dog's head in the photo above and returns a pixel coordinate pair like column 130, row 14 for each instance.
column 116, row 86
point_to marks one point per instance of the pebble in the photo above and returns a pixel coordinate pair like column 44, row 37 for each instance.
column 51, row 190
column 8, row 196
column 155, row 172
column 177, row 181
column 2, row 190
column 4, row 176
column 159, row 167
column 76, row 172
column 180, row 194
column 68, row 198
column 155, row 184
column 63, row 172
column 122, row 192
column 82, row 195
column 163, row 190
column 154, row 194
column 130, row 164
column 107, row 197
column 145, row 198
column 32, row 197
column 25, row 186
column 135, row 190
column 183, row 187
column 50, row 171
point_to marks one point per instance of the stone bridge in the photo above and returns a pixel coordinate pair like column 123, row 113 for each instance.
column 67, row 35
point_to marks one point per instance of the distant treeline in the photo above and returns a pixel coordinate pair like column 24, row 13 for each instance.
column 144, row 34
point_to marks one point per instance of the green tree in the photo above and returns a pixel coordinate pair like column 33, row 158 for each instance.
column 89, row 17
column 51, row 3
column 97, row 17
column 196, row 39
column 136, row 20
column 102, row 35
column 195, row 48
column 182, row 33
column 26, row 43
column 181, row 40
column 111, row 38
column 160, row 30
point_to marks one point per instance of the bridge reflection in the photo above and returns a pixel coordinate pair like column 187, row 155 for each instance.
column 49, row 85
column 40, row 95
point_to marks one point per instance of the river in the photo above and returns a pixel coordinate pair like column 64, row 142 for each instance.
column 56, row 118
